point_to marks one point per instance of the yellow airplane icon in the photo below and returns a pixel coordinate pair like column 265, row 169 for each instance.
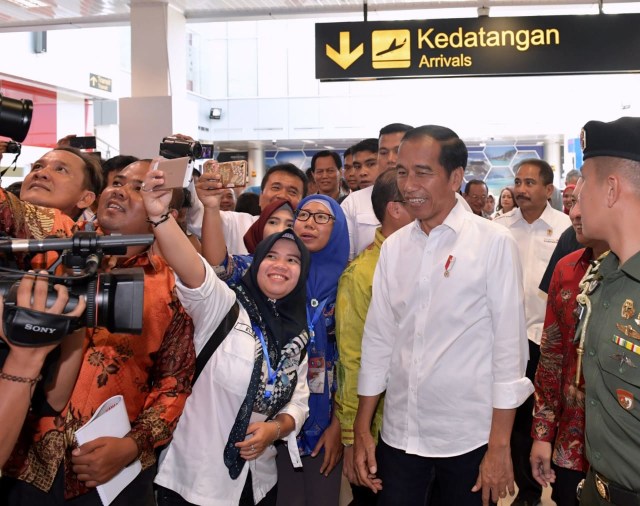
column 391, row 49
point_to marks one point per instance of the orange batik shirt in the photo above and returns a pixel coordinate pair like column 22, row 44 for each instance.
column 152, row 371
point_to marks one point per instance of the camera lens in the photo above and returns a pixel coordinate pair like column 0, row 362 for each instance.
column 15, row 117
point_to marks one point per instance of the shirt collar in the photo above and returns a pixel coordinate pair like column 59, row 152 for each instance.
column 454, row 220
column 632, row 267
column 546, row 217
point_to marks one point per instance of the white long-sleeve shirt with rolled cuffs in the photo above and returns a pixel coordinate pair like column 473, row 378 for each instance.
column 445, row 334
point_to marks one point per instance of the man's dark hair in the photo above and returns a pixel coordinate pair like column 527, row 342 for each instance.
column 365, row 145
column 248, row 202
column 453, row 152
column 347, row 152
column 309, row 174
column 472, row 182
column 325, row 153
column 394, row 128
column 289, row 168
column 92, row 169
column 385, row 190
column 115, row 164
column 545, row 170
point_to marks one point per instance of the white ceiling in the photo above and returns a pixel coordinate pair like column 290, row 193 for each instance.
column 17, row 15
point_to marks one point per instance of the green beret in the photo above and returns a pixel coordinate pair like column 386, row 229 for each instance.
column 619, row 139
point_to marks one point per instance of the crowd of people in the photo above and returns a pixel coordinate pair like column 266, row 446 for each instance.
column 381, row 318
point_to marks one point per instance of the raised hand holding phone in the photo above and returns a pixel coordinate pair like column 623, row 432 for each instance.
column 209, row 187
column 155, row 195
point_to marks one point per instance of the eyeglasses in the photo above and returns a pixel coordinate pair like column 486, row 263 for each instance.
column 477, row 197
column 319, row 218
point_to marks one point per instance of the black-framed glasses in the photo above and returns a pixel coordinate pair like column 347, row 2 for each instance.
column 319, row 218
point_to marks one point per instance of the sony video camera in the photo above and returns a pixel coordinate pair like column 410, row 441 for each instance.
column 172, row 147
column 114, row 299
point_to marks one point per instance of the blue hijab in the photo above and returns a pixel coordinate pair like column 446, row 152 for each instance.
column 328, row 263
column 322, row 284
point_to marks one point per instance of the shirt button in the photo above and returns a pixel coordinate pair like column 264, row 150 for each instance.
column 596, row 455
column 605, row 304
column 592, row 402
column 592, row 353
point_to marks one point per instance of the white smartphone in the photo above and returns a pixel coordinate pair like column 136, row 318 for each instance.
column 176, row 172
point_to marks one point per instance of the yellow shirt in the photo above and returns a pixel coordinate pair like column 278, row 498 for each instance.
column 352, row 304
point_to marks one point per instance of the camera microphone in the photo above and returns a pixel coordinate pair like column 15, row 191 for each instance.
column 113, row 244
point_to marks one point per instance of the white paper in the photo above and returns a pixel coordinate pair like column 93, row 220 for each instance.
column 110, row 420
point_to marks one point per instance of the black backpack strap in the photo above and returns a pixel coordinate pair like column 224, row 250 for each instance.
column 224, row 327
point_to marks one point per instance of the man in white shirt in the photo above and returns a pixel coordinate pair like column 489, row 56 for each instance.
column 282, row 181
column 536, row 226
column 445, row 338
column 361, row 220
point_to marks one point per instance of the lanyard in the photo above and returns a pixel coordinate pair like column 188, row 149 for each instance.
column 272, row 374
column 311, row 321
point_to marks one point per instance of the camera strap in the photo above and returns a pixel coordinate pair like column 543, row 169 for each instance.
column 31, row 328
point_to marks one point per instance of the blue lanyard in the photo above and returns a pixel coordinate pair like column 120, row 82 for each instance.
column 312, row 321
column 272, row 374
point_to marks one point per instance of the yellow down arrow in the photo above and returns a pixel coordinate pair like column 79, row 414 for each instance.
column 345, row 58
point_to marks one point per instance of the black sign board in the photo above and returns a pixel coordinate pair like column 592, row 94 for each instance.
column 99, row 82
column 479, row 47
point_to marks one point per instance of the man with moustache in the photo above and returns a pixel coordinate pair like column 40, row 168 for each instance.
column 152, row 371
column 609, row 201
column 444, row 339
column 536, row 226
column 369, row 159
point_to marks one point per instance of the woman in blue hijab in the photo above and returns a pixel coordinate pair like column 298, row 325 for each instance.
column 321, row 225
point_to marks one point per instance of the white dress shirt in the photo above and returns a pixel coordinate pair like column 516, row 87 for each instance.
column 362, row 222
column 447, row 349
column 192, row 465
column 536, row 242
column 234, row 225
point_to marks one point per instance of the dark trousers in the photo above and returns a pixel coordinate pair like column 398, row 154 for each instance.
column 563, row 491
column 521, row 440
column 363, row 496
column 410, row 480
column 167, row 497
column 19, row 493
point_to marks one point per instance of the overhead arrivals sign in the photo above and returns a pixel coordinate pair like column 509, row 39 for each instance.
column 479, row 47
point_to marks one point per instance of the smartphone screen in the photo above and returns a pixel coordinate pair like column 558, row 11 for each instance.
column 176, row 172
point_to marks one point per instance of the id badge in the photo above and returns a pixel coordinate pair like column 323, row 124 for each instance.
column 316, row 375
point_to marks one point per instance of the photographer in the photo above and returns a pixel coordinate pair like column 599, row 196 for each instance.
column 21, row 368
column 152, row 371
